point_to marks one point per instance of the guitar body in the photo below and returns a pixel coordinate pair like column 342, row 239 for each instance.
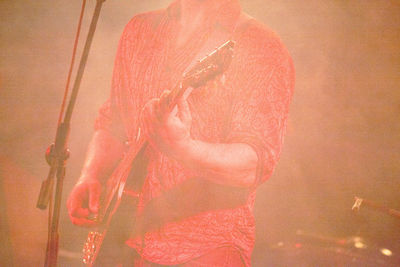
column 105, row 244
column 112, row 248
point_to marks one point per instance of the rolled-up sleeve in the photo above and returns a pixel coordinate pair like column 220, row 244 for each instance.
column 264, row 83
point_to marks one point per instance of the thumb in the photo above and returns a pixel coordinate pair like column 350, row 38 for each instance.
column 94, row 197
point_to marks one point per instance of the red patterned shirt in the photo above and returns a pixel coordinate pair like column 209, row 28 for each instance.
column 250, row 106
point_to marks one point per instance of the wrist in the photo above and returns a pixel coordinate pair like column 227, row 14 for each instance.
column 183, row 148
column 187, row 152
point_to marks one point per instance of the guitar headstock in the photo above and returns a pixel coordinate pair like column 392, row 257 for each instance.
column 210, row 66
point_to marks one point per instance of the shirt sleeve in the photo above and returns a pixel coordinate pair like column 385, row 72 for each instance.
column 263, row 85
column 111, row 114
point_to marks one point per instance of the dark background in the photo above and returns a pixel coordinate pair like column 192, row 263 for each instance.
column 342, row 138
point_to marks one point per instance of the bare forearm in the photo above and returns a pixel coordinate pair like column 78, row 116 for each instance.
column 233, row 164
column 103, row 153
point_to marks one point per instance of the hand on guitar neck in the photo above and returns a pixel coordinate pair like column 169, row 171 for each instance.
column 168, row 130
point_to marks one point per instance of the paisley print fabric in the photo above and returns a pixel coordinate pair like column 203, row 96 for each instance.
column 249, row 104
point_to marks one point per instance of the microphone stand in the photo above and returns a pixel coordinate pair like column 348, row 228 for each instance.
column 58, row 153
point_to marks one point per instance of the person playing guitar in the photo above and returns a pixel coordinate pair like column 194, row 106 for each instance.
column 207, row 154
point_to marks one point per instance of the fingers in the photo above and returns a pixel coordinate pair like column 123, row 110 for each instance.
column 94, row 197
column 83, row 222
column 164, row 127
column 182, row 109
column 78, row 216
column 157, row 109
column 78, row 212
column 82, row 196
column 75, row 203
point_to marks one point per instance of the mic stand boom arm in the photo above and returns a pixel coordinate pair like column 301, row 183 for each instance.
column 57, row 154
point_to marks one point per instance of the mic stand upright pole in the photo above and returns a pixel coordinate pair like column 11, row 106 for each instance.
column 57, row 154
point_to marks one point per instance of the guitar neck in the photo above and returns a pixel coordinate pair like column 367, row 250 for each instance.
column 176, row 93
column 205, row 70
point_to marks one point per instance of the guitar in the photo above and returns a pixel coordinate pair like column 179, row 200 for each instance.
column 214, row 64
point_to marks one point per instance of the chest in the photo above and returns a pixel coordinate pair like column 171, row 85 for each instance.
column 158, row 65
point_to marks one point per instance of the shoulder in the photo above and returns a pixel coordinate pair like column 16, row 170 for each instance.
column 261, row 56
column 255, row 39
column 145, row 22
column 260, row 47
